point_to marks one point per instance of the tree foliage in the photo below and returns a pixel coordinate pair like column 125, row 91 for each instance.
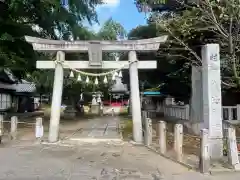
column 48, row 19
column 169, row 73
column 209, row 21
column 111, row 30
column 41, row 18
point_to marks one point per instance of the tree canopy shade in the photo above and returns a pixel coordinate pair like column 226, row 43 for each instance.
column 41, row 18
column 210, row 21
column 169, row 73
column 164, row 5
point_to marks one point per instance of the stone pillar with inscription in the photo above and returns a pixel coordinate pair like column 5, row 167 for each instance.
column 212, row 101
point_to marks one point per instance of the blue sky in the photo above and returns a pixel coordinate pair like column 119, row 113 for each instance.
column 122, row 11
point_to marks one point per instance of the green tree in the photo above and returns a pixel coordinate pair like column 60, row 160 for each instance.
column 111, row 30
column 41, row 18
column 208, row 22
column 169, row 73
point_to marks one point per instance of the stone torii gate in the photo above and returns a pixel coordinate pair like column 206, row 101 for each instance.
column 95, row 49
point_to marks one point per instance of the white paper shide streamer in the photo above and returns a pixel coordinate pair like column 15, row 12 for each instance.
column 96, row 81
column 71, row 74
column 105, row 81
column 87, row 80
column 115, row 73
column 113, row 77
column 120, row 74
column 79, row 78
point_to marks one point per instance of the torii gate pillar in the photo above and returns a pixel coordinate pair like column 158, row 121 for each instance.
column 56, row 99
column 135, row 97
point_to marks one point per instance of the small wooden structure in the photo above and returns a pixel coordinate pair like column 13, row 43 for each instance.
column 15, row 95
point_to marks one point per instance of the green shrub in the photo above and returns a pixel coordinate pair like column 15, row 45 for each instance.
column 127, row 129
column 225, row 148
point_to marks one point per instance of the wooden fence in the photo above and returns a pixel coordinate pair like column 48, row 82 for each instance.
column 183, row 112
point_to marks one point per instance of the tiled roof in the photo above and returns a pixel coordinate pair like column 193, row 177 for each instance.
column 6, row 86
column 25, row 87
column 19, row 86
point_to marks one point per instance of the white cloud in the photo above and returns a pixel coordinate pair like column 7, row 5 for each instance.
column 96, row 27
column 110, row 3
column 105, row 11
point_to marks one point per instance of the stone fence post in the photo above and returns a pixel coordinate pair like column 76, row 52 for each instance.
column 232, row 150
column 238, row 111
column 178, row 141
column 1, row 127
column 148, row 131
column 187, row 112
column 144, row 117
column 162, row 130
column 204, row 163
column 14, row 124
column 39, row 128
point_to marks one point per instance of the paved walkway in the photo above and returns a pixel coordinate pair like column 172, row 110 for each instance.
column 95, row 161
column 102, row 128
column 103, row 161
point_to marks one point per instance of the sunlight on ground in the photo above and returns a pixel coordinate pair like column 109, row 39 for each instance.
column 124, row 110
column 47, row 110
column 86, row 109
